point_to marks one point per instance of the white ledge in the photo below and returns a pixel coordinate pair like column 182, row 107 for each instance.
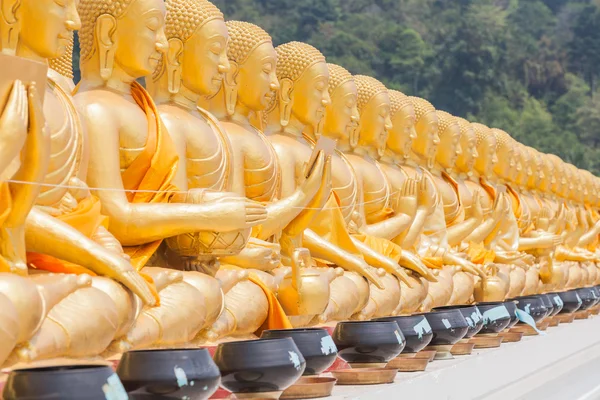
column 563, row 364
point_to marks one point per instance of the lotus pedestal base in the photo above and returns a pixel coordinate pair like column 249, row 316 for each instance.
column 510, row 337
column 487, row 340
column 409, row 364
column 443, row 352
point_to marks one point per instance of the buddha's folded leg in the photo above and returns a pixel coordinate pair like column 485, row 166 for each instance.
column 344, row 299
column 463, row 288
column 9, row 327
column 412, row 298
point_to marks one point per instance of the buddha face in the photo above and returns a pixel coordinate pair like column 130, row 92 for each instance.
column 537, row 172
column 139, row 37
column 341, row 117
column 468, row 154
column 403, row 131
column 204, row 60
column 46, row 25
column 310, row 95
column 518, row 165
column 428, row 139
column 449, row 147
column 484, row 164
column 546, row 184
column 506, row 161
column 257, row 80
column 375, row 122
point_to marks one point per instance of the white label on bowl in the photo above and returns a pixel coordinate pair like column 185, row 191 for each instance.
column 446, row 323
column 398, row 337
column 422, row 327
column 470, row 322
column 578, row 298
column 494, row 314
column 113, row 389
column 327, row 345
column 295, row 360
column 181, row 376
column 528, row 309
column 476, row 316
column 558, row 301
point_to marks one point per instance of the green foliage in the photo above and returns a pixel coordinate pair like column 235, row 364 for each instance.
column 530, row 67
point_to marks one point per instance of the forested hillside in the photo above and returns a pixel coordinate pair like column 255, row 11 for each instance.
column 531, row 67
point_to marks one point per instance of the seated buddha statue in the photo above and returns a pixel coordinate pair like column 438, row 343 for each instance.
column 249, row 87
column 430, row 238
column 398, row 150
column 134, row 173
column 65, row 228
column 197, row 36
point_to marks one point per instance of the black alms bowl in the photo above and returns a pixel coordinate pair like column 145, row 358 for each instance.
column 496, row 316
column 571, row 301
column 316, row 346
column 255, row 366
column 177, row 373
column 588, row 298
column 81, row 382
column 532, row 305
column 416, row 330
column 472, row 316
column 448, row 326
column 368, row 341
column 557, row 303
column 511, row 306
column 549, row 304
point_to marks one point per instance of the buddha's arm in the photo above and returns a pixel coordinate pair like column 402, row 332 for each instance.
column 13, row 125
column 426, row 204
column 590, row 235
column 414, row 231
column 178, row 138
column 466, row 266
column 34, row 163
column 47, row 235
column 389, row 228
column 563, row 254
column 139, row 223
column 321, row 248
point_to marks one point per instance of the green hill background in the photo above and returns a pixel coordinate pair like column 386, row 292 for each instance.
column 530, row 67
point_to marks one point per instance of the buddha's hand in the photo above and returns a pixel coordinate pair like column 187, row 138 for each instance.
column 262, row 257
column 314, row 181
column 500, row 208
column 14, row 121
column 407, row 199
column 237, row 214
column 548, row 241
column 425, row 196
column 476, row 210
column 543, row 221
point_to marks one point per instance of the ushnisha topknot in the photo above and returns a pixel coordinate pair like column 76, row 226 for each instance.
column 502, row 138
column 64, row 64
column 465, row 126
column 446, row 120
column 482, row 132
column 367, row 89
column 422, row 106
column 244, row 37
column 398, row 101
column 337, row 76
column 184, row 17
column 294, row 58
column 89, row 11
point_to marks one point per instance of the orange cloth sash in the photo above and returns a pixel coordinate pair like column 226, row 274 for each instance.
column 276, row 318
column 152, row 171
column 452, row 216
column 5, row 208
column 478, row 254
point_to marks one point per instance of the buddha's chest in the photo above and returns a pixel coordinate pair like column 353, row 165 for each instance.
column 532, row 204
column 133, row 133
column 486, row 198
column 66, row 148
column 375, row 189
column 345, row 184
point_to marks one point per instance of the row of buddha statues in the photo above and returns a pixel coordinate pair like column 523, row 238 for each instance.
column 247, row 186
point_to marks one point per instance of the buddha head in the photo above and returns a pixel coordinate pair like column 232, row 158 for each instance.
column 486, row 148
column 197, row 54
column 303, row 78
column 468, row 146
column 547, row 184
column 124, row 39
column 588, row 188
column 341, row 116
column 449, row 147
column 506, row 165
column 43, row 27
column 374, row 109
column 403, row 132
column 561, row 180
column 535, row 163
column 251, row 82
column 427, row 126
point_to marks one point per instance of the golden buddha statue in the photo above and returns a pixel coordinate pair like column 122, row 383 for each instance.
column 399, row 149
column 122, row 41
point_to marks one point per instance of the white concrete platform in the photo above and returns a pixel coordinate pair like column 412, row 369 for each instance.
column 562, row 365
